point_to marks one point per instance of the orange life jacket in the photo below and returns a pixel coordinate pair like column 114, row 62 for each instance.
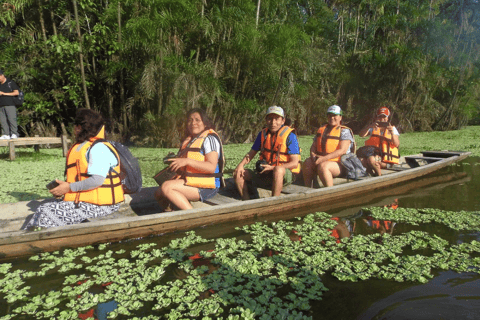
column 274, row 147
column 110, row 192
column 191, row 149
column 384, row 143
column 328, row 140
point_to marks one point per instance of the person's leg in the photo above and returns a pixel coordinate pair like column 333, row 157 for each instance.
column 60, row 213
column 308, row 172
column 179, row 194
column 241, row 183
column 327, row 171
column 162, row 201
column 277, row 185
column 11, row 112
column 3, row 121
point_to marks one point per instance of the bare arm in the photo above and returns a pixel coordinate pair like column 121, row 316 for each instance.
column 364, row 131
column 344, row 145
column 395, row 139
column 12, row 94
column 240, row 169
column 208, row 166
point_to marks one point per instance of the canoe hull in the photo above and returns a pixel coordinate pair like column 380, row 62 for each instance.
column 18, row 243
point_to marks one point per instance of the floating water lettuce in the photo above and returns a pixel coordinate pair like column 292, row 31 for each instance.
column 277, row 273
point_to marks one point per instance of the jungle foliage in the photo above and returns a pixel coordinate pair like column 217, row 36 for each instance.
column 143, row 63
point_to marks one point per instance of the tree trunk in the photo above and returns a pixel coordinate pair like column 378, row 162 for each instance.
column 122, row 86
column 42, row 20
column 258, row 13
column 80, row 54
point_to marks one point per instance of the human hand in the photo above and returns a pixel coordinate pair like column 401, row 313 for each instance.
column 239, row 172
column 319, row 160
column 266, row 167
column 63, row 188
column 177, row 163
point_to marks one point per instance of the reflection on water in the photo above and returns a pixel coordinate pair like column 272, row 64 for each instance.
column 449, row 295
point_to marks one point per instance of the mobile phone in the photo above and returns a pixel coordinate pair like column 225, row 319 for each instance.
column 382, row 124
column 52, row 184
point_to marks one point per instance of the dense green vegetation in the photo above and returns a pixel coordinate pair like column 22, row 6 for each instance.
column 276, row 273
column 143, row 63
column 26, row 177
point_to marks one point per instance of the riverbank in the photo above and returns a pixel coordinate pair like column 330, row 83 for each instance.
column 25, row 178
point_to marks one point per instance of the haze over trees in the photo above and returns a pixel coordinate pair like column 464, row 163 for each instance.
column 144, row 63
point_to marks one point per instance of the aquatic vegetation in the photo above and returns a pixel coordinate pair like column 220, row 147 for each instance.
column 462, row 220
column 277, row 273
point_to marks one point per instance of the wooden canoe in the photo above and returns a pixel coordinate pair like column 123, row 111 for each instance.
column 138, row 218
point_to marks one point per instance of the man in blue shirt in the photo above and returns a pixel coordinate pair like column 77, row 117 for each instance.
column 279, row 156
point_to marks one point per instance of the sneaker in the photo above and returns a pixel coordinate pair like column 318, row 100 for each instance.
column 5, row 137
column 13, row 136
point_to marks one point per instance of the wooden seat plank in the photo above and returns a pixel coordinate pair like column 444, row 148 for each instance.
column 412, row 160
column 292, row 188
column 221, row 199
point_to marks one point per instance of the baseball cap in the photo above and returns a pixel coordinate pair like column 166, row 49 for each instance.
column 276, row 110
column 383, row 110
column 335, row 110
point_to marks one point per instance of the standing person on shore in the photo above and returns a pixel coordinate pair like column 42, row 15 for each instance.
column 381, row 149
column 279, row 157
column 8, row 111
column 331, row 142
column 199, row 165
column 93, row 187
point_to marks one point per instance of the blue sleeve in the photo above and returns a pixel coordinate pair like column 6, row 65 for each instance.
column 100, row 160
column 257, row 145
column 292, row 144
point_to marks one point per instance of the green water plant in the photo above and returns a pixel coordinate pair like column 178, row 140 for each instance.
column 277, row 273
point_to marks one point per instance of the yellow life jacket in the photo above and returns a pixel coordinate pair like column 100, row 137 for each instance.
column 109, row 193
column 191, row 149
column 274, row 147
column 384, row 143
column 328, row 140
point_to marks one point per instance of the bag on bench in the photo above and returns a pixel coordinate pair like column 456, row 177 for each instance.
column 353, row 166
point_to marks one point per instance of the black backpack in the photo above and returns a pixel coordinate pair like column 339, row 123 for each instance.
column 355, row 169
column 130, row 172
column 17, row 100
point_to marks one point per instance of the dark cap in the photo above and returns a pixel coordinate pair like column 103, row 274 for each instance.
column 1, row 72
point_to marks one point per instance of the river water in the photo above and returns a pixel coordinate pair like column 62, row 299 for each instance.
column 449, row 295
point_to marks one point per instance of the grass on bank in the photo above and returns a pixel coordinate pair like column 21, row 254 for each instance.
column 25, row 178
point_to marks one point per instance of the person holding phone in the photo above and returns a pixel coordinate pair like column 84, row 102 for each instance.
column 93, row 186
column 381, row 149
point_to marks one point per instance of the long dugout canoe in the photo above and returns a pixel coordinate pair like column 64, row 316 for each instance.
column 137, row 217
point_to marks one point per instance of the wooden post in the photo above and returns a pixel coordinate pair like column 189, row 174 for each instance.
column 36, row 147
column 11, row 146
column 64, row 145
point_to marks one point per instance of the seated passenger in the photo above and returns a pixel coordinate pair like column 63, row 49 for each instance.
column 381, row 148
column 331, row 142
column 93, row 188
column 199, row 165
column 279, row 152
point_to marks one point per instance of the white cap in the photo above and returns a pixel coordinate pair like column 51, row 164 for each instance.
column 335, row 110
column 276, row 110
